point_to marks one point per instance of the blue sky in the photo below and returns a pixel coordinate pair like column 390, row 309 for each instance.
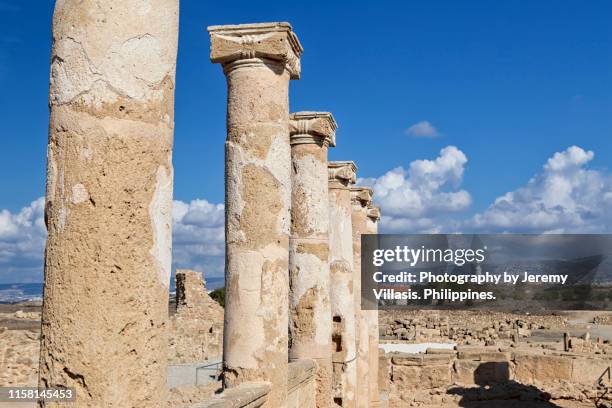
column 508, row 84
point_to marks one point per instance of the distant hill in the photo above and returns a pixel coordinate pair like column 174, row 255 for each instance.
column 20, row 292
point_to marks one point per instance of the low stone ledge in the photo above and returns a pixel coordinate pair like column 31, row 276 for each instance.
column 301, row 388
column 300, row 371
column 492, row 356
column 421, row 359
column 247, row 395
column 435, row 350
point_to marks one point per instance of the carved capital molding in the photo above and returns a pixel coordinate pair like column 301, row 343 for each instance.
column 361, row 196
column 344, row 172
column 313, row 127
column 374, row 213
column 272, row 41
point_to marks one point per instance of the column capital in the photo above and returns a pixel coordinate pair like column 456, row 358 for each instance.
column 361, row 196
column 313, row 127
column 374, row 213
column 273, row 41
column 344, row 172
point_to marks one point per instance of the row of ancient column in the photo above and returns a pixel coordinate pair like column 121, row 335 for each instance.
column 288, row 208
column 108, row 214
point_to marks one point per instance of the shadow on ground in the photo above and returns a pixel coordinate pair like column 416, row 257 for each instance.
column 494, row 388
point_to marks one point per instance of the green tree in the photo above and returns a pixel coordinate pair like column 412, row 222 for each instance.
column 219, row 296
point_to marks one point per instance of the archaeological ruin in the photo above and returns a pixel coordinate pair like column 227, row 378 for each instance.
column 292, row 332
column 291, row 307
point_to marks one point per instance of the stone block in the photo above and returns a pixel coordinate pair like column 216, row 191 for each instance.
column 421, row 377
column 541, row 368
column 590, row 371
column 247, row 395
column 481, row 373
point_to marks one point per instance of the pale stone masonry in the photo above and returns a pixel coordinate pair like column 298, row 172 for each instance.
column 196, row 329
column 361, row 198
column 258, row 61
column 341, row 176
column 373, row 213
column 108, row 201
column 310, row 325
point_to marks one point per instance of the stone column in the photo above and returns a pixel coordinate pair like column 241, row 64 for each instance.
column 108, row 201
column 310, row 324
column 258, row 61
column 341, row 176
column 373, row 214
column 361, row 198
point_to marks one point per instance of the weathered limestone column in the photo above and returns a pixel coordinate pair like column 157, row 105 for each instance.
column 373, row 214
column 361, row 198
column 310, row 325
column 341, row 176
column 258, row 61
column 108, row 201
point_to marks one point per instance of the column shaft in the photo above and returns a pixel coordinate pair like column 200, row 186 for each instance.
column 361, row 197
column 372, row 317
column 309, row 299
column 257, row 199
column 108, row 201
column 341, row 175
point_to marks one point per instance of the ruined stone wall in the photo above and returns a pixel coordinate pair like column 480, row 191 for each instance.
column 488, row 374
column 196, row 329
column 463, row 327
column 19, row 353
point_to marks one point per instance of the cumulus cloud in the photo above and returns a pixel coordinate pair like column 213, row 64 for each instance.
column 22, row 243
column 199, row 236
column 565, row 196
column 198, row 240
column 418, row 199
column 422, row 129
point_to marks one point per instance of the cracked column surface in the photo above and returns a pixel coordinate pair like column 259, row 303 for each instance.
column 108, row 201
column 341, row 176
column 258, row 61
column 361, row 198
column 373, row 213
column 310, row 324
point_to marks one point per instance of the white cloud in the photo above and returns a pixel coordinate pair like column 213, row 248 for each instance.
column 564, row 197
column 22, row 243
column 422, row 129
column 420, row 198
column 198, row 240
column 199, row 236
